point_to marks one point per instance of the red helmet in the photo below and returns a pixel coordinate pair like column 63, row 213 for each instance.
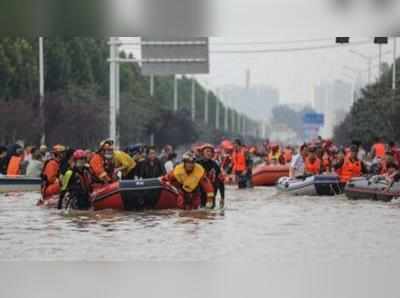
column 79, row 154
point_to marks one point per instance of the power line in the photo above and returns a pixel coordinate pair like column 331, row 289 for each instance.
column 282, row 50
column 223, row 43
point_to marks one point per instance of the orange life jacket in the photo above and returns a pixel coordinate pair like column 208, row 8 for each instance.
column 97, row 167
column 14, row 166
column 288, row 155
column 313, row 167
column 50, row 178
column 380, row 150
column 349, row 170
column 239, row 160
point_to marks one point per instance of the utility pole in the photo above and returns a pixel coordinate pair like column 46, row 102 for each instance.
column 41, row 93
column 233, row 120
column 380, row 59
column 175, row 93
column 151, row 85
column 152, row 94
column 394, row 63
column 113, row 88
column 217, row 113
column 117, row 103
column 193, row 99
column 206, row 106
column 226, row 115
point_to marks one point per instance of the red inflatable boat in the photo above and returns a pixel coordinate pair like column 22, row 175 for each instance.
column 135, row 195
column 268, row 175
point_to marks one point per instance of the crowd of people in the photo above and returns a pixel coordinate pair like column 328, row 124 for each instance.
column 200, row 174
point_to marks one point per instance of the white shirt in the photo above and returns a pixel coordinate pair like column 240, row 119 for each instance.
column 297, row 164
column 169, row 166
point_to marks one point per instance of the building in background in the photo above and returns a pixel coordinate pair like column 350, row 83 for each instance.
column 256, row 101
column 334, row 99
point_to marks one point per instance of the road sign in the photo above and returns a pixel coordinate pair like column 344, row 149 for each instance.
column 178, row 56
column 314, row 119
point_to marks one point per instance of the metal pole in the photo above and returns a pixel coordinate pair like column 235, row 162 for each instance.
column 226, row 125
column 244, row 126
column 369, row 70
column 380, row 60
column 217, row 114
column 175, row 94
column 206, row 107
column 117, row 103
column 394, row 63
column 113, row 70
column 152, row 94
column 233, row 120
column 41, row 93
column 152, row 85
column 193, row 99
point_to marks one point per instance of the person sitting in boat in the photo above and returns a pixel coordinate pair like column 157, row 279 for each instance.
column 190, row 178
column 102, row 163
column 326, row 161
column 275, row 156
column 312, row 163
column 16, row 157
column 392, row 174
column 51, row 172
column 350, row 167
column 170, row 163
column 151, row 167
column 379, row 148
column 77, row 183
column 297, row 167
column 137, row 152
column 213, row 172
column 288, row 154
column 44, row 151
column 242, row 165
column 3, row 160
column 35, row 165
column 124, row 164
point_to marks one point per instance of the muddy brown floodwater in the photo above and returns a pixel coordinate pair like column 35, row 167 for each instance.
column 256, row 224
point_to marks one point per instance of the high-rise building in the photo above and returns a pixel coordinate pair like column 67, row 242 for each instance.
column 256, row 101
column 334, row 100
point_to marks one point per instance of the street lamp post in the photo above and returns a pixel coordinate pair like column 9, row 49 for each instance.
column 394, row 63
column 41, row 93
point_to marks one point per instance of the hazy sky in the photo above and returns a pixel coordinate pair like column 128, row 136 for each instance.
column 293, row 73
column 280, row 22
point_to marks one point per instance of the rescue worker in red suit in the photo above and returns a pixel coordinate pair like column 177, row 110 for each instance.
column 76, row 186
column 214, row 174
column 191, row 178
column 51, row 184
column 241, row 165
column 102, row 163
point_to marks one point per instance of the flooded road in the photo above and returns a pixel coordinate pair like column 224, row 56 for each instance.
column 256, row 224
